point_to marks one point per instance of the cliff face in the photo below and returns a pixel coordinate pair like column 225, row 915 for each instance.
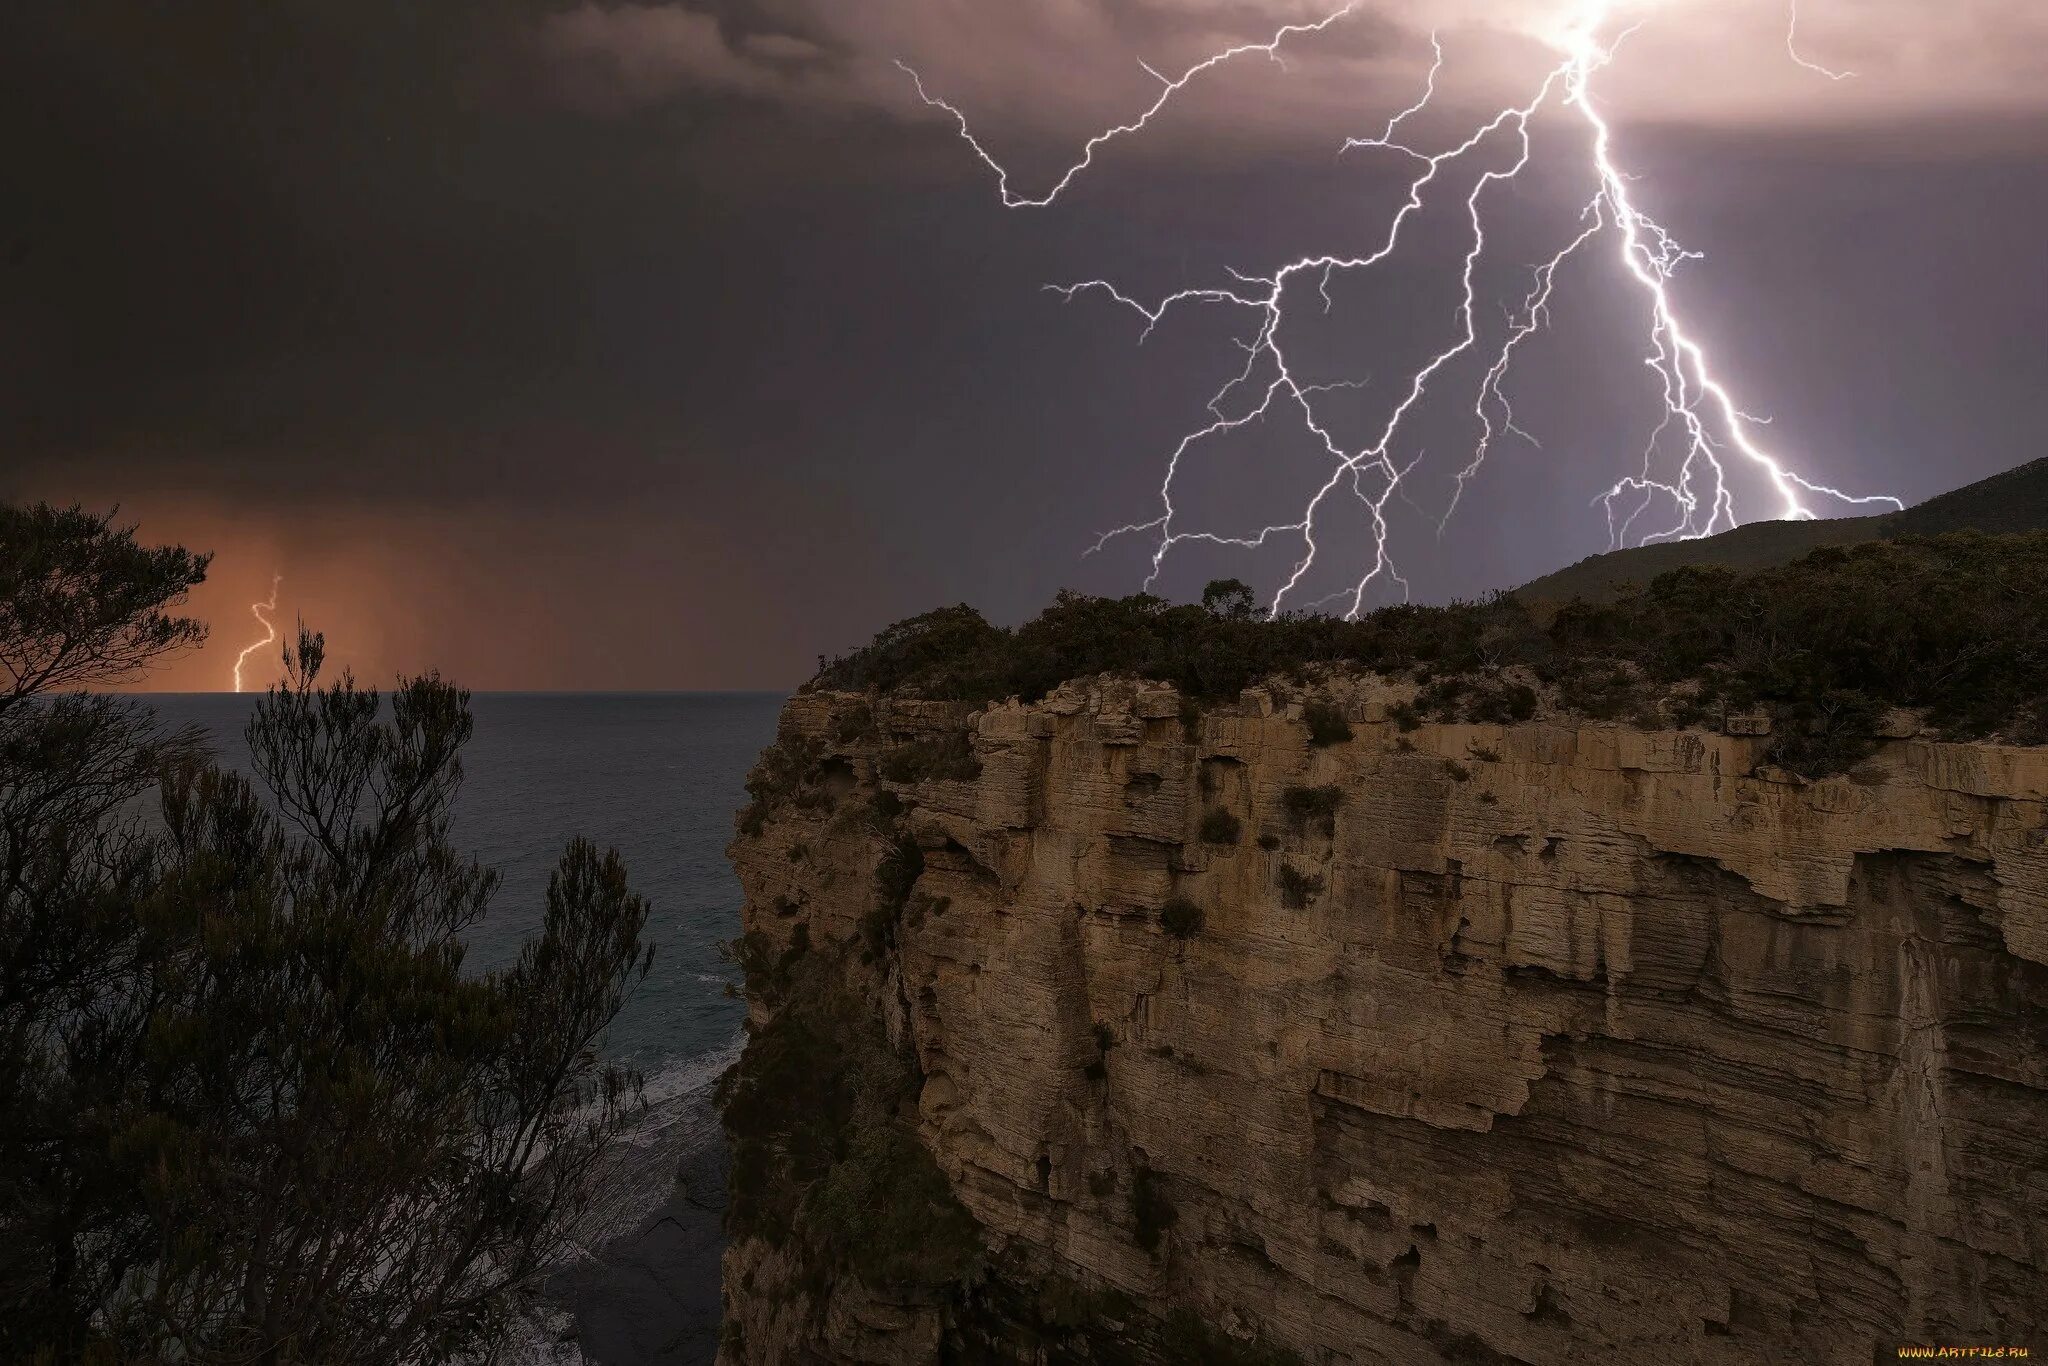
column 1546, row 1043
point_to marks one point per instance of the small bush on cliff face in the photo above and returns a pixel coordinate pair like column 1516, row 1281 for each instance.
column 1220, row 827
column 1297, row 888
column 1313, row 808
column 1181, row 918
column 1326, row 724
column 923, row 904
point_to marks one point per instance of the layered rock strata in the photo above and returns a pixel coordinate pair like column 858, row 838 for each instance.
column 1547, row 1043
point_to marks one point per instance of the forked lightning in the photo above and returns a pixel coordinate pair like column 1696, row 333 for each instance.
column 260, row 611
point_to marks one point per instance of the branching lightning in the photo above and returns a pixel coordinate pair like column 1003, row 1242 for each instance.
column 1172, row 87
column 260, row 611
column 1701, row 424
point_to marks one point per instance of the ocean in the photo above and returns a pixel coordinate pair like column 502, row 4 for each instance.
column 657, row 776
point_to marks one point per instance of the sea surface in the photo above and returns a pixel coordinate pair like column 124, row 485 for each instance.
column 658, row 777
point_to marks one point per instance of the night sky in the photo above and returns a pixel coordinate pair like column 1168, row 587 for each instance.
column 669, row 346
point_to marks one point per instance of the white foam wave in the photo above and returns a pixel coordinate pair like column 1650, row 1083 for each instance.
column 639, row 1173
column 636, row 1177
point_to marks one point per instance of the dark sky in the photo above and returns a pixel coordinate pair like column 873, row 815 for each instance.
column 668, row 347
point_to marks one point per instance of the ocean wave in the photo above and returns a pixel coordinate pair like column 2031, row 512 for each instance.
column 638, row 1174
column 679, row 1080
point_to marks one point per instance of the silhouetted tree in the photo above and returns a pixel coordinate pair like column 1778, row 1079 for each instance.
column 82, row 605
column 252, row 1109
column 1230, row 598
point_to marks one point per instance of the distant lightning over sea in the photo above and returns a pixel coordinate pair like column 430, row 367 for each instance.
column 260, row 611
column 1685, row 455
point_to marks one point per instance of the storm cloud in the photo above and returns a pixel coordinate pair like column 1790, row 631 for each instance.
column 672, row 345
column 1074, row 63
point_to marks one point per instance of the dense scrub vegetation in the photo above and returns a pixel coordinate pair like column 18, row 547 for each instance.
column 1954, row 625
column 820, row 1111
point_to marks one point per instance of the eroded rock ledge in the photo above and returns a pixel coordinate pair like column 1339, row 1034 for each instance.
column 1558, row 1042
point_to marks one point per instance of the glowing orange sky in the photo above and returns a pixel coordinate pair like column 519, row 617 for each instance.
column 384, row 587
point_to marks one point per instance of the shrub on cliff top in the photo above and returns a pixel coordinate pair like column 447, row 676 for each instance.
column 1207, row 652
column 1956, row 625
column 1501, row 703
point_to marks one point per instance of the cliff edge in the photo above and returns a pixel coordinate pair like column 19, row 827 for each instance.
column 1109, row 1028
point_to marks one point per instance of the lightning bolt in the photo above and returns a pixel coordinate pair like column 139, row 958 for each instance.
column 1701, row 424
column 258, row 610
column 1172, row 87
column 1792, row 50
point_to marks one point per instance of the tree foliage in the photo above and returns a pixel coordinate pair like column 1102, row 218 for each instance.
column 82, row 605
column 252, row 1107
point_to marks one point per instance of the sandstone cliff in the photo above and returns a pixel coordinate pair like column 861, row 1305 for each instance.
column 1546, row 1043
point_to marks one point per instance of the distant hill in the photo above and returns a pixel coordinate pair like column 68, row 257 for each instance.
column 2014, row 501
